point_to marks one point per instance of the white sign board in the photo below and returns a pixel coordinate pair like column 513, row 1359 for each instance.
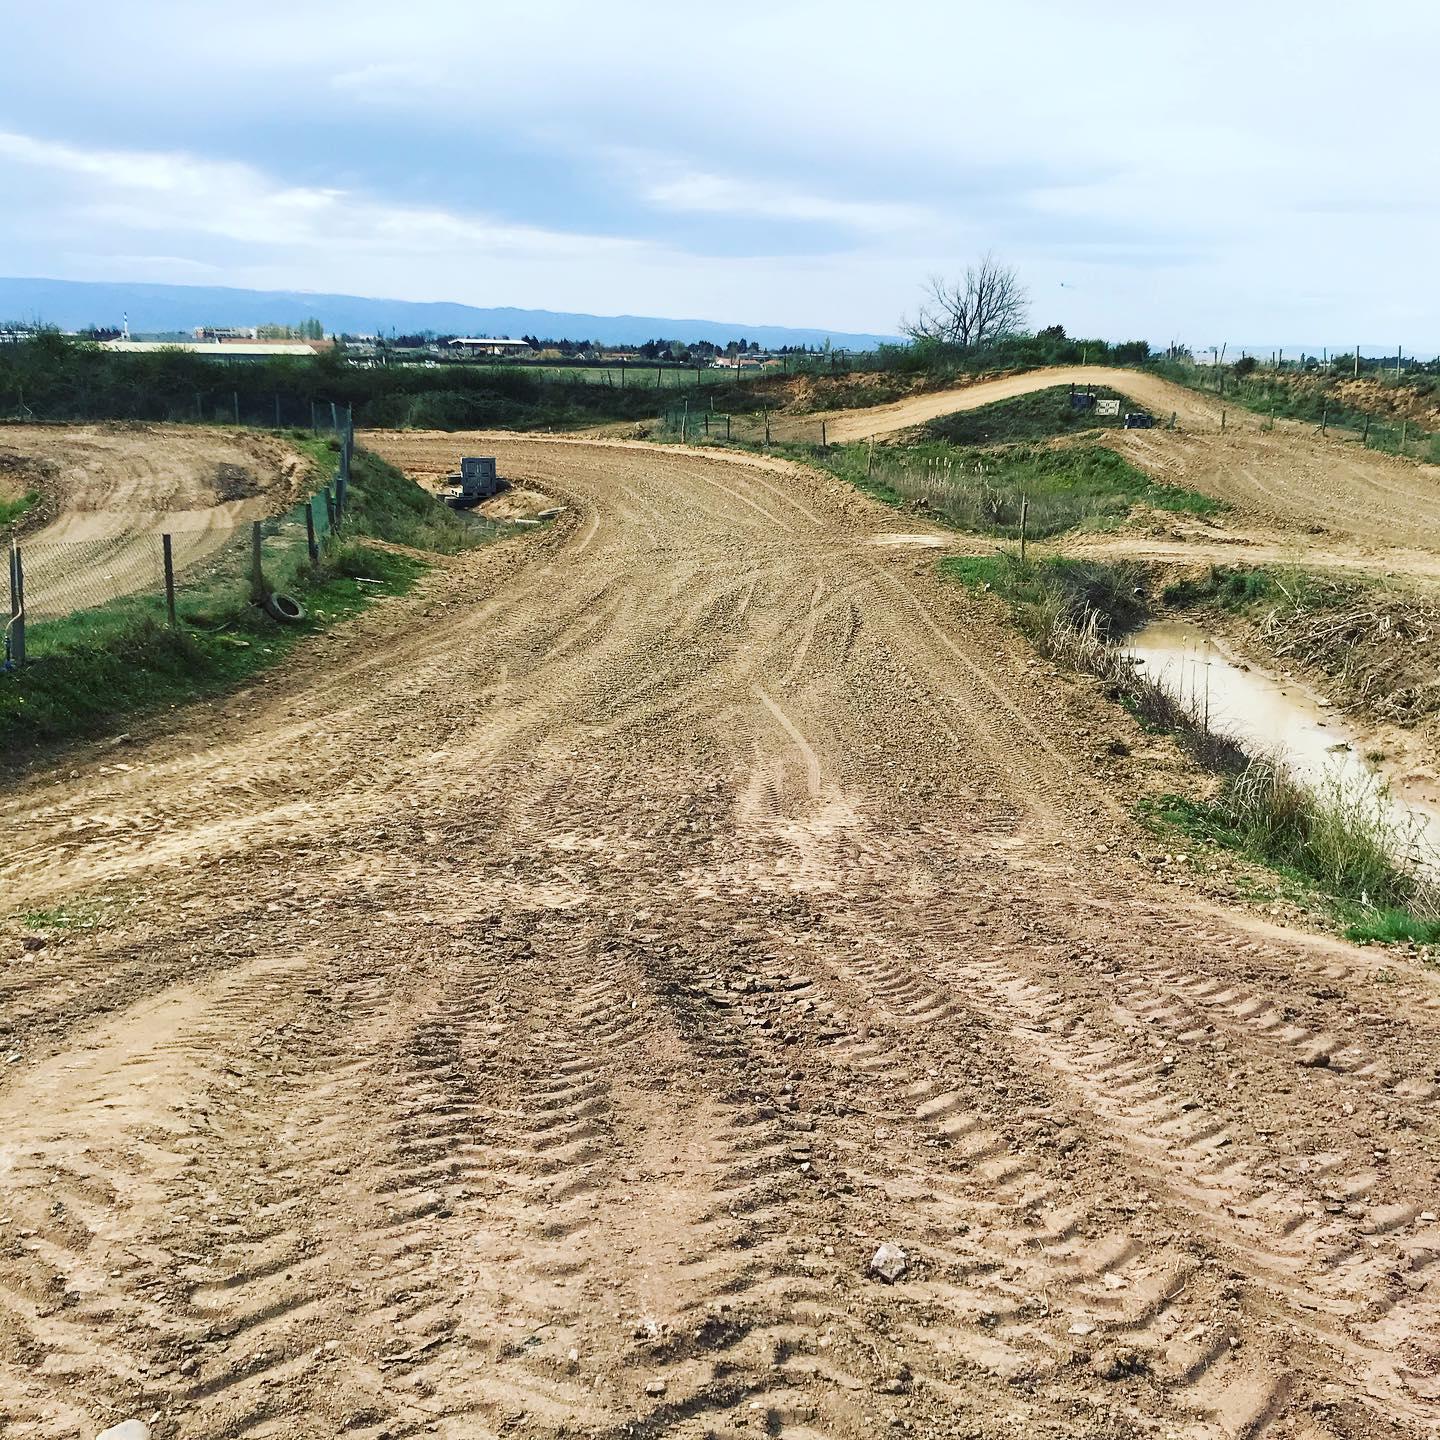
column 1107, row 407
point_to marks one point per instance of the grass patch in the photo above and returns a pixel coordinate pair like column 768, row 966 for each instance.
column 1067, row 487
column 12, row 511
column 1394, row 927
column 78, row 913
column 1040, row 415
column 1342, row 849
column 1237, row 589
column 1052, row 590
column 117, row 661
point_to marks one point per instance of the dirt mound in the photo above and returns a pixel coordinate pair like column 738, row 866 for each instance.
column 110, row 489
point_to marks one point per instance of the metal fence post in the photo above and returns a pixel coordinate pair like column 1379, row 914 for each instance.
column 342, row 486
column 257, row 573
column 235, row 397
column 17, row 606
column 310, row 544
column 169, row 577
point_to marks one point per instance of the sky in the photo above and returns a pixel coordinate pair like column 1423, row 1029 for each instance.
column 1256, row 174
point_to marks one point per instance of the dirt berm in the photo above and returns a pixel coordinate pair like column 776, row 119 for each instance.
column 1290, row 474
column 529, row 1011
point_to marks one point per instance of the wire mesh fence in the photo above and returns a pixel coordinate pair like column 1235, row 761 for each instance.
column 73, row 589
column 65, row 588
column 215, row 406
column 695, row 425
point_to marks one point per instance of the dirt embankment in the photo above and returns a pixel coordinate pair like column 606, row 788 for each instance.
column 533, row 1011
column 108, row 491
column 1415, row 399
column 106, row 479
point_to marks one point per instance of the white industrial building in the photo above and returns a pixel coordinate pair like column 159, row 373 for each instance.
column 471, row 345
column 216, row 350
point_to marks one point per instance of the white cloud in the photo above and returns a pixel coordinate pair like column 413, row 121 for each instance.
column 175, row 192
column 700, row 193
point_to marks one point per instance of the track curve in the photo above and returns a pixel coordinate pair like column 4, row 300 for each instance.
column 1290, row 475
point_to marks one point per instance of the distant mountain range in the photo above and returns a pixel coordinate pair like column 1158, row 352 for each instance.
column 165, row 309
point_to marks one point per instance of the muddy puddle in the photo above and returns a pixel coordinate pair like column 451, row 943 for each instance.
column 1273, row 714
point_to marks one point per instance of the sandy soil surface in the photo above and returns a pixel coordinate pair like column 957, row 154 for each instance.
column 110, row 491
column 528, row 1011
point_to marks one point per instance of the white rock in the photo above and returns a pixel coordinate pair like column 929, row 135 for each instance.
column 889, row 1262
column 126, row 1430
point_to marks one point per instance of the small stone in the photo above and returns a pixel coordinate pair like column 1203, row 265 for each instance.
column 126, row 1430
column 1116, row 1364
column 1082, row 1327
column 33, row 942
column 889, row 1262
column 655, row 1387
column 1315, row 1060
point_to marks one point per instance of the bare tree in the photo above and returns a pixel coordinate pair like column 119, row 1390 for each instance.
column 988, row 303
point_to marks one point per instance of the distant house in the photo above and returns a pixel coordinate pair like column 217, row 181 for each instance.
column 472, row 345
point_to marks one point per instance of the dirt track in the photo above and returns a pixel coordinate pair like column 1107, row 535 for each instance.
column 527, row 1012
column 110, row 491
column 1291, row 475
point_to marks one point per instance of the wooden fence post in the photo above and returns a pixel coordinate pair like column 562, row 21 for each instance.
column 824, row 444
column 727, row 427
column 169, row 555
column 330, row 508
column 870, row 458
column 1024, row 519
column 1365, row 438
column 310, row 544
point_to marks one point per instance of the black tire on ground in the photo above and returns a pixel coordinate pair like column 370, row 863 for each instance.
column 285, row 608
